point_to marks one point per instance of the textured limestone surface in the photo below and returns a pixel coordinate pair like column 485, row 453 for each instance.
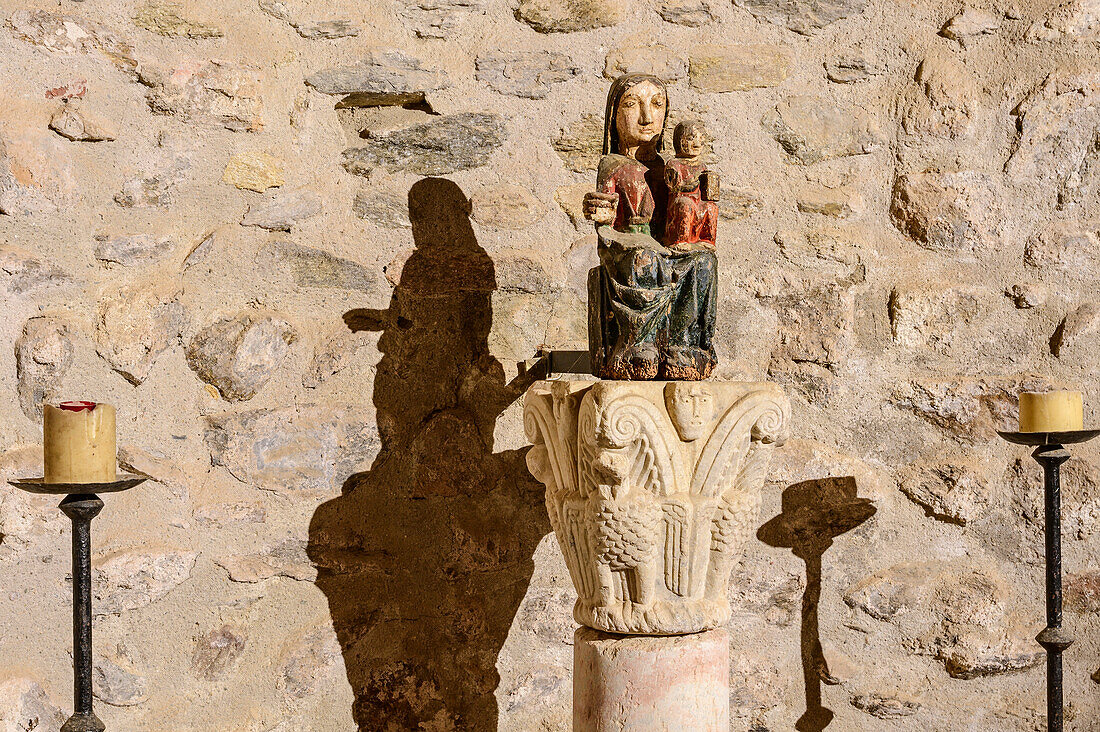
column 215, row 216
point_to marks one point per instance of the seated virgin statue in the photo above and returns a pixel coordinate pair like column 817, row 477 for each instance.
column 652, row 300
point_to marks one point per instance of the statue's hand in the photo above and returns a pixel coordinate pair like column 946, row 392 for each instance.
column 695, row 246
column 600, row 207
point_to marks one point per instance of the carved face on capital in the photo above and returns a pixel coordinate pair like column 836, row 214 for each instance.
column 640, row 116
column 692, row 408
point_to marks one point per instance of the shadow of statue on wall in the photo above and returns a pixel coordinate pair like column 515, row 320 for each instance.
column 814, row 513
column 424, row 558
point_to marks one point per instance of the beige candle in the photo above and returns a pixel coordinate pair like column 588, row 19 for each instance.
column 1051, row 411
column 78, row 442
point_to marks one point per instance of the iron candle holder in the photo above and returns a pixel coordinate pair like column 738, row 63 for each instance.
column 1051, row 453
column 81, row 504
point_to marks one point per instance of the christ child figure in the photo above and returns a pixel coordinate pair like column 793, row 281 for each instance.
column 692, row 191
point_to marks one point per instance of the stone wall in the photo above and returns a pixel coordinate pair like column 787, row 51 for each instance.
column 301, row 246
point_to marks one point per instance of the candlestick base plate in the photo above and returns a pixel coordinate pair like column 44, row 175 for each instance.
column 83, row 723
column 124, row 482
column 1049, row 438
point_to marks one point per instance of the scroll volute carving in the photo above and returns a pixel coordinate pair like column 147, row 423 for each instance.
column 652, row 490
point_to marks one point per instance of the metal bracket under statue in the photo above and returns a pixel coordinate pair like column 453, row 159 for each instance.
column 548, row 363
column 653, row 488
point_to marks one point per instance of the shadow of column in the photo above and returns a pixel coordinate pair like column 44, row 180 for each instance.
column 425, row 558
column 814, row 513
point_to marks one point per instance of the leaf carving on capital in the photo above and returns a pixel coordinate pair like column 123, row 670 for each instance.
column 546, row 422
column 762, row 416
column 644, row 445
column 550, row 422
column 653, row 490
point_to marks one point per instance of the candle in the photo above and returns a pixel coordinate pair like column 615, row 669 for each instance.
column 1051, row 411
column 78, row 442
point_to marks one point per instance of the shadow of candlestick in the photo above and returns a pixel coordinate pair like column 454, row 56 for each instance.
column 814, row 513
column 425, row 558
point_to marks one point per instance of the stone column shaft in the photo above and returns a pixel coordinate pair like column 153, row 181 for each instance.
column 651, row 683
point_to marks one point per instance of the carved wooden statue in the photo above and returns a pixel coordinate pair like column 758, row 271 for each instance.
column 652, row 299
column 692, row 191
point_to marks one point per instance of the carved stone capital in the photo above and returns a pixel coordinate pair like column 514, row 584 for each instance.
column 652, row 488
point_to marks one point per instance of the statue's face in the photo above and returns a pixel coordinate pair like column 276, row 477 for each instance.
column 691, row 406
column 641, row 114
column 693, row 143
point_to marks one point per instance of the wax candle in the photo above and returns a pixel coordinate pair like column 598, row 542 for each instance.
column 78, row 442
column 1051, row 411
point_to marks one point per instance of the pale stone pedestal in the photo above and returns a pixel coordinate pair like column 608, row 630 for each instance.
column 652, row 488
column 651, row 684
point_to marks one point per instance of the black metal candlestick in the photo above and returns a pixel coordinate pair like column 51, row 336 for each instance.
column 81, row 505
column 1050, row 453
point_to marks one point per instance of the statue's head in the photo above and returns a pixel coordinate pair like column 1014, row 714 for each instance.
column 637, row 108
column 689, row 138
column 692, row 408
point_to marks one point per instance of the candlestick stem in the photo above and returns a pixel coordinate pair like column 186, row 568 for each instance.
column 1053, row 638
column 81, row 508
